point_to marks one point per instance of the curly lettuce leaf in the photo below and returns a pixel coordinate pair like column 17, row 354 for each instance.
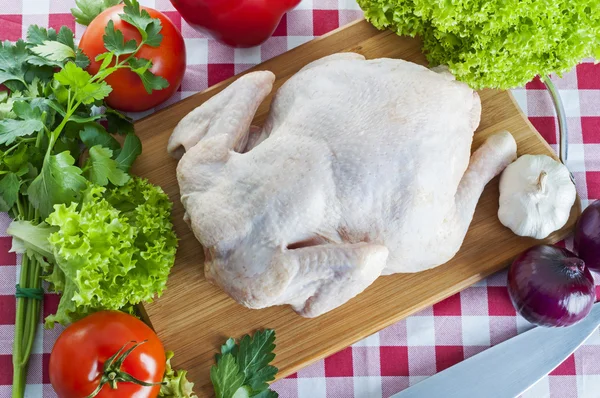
column 113, row 250
column 495, row 43
column 175, row 383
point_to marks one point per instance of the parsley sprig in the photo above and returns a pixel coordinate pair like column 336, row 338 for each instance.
column 243, row 370
column 56, row 135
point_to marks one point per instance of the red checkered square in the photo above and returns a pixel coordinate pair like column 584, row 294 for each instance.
column 57, row 20
column 293, row 376
column 339, row 364
column 499, row 302
column 325, row 21
column 593, row 184
column 590, row 129
column 588, row 76
column 7, row 309
column 219, row 72
column 281, row 29
column 6, row 258
column 446, row 356
column 535, row 84
column 6, row 370
column 394, row 361
column 546, row 126
column 45, row 368
column 11, row 27
column 50, row 304
column 448, row 307
column 567, row 368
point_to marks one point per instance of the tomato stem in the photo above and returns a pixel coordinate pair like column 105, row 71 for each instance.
column 112, row 373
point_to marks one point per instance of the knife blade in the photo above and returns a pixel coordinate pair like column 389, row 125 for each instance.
column 509, row 368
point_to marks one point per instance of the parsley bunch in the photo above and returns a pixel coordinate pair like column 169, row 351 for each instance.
column 56, row 137
column 243, row 369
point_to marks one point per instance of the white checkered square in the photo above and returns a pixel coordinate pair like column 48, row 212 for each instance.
column 475, row 330
column 36, row 7
column 367, row 386
column 420, row 331
column 541, row 389
column 196, row 51
column 315, row 387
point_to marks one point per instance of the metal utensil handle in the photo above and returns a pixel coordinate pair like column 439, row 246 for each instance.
column 563, row 132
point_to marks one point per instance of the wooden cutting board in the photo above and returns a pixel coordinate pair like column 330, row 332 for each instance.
column 194, row 317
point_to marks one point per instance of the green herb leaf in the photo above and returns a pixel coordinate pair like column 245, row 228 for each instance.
column 229, row 347
column 66, row 36
column 266, row 394
column 118, row 123
column 226, row 377
column 94, row 134
column 13, row 62
column 87, row 10
column 137, row 17
column 9, row 191
column 115, row 42
column 132, row 148
column 80, row 82
column 139, row 65
column 17, row 158
column 254, row 356
column 37, row 35
column 153, row 82
column 106, row 59
column 54, row 51
column 102, row 168
column 153, row 36
column 29, row 123
column 58, row 182
column 81, row 60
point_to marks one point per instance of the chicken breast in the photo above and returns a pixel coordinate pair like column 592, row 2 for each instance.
column 363, row 168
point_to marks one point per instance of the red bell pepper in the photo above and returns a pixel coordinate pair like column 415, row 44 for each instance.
column 239, row 23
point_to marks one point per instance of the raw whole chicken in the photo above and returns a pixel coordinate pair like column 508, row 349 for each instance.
column 363, row 168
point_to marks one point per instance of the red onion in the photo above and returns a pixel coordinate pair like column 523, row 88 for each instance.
column 550, row 286
column 587, row 236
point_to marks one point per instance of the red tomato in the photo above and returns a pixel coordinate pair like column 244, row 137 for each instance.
column 168, row 60
column 80, row 353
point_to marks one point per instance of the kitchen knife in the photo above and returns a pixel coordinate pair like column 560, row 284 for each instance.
column 509, row 368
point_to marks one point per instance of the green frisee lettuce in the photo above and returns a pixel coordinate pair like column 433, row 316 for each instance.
column 495, row 43
column 113, row 250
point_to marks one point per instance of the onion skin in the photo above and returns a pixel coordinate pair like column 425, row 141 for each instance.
column 587, row 236
column 550, row 286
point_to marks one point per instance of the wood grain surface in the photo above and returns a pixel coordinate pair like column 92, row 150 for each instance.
column 194, row 317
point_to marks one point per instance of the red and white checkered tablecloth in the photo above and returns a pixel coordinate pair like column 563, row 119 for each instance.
column 411, row 350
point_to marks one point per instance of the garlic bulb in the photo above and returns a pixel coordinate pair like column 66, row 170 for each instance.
column 536, row 195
